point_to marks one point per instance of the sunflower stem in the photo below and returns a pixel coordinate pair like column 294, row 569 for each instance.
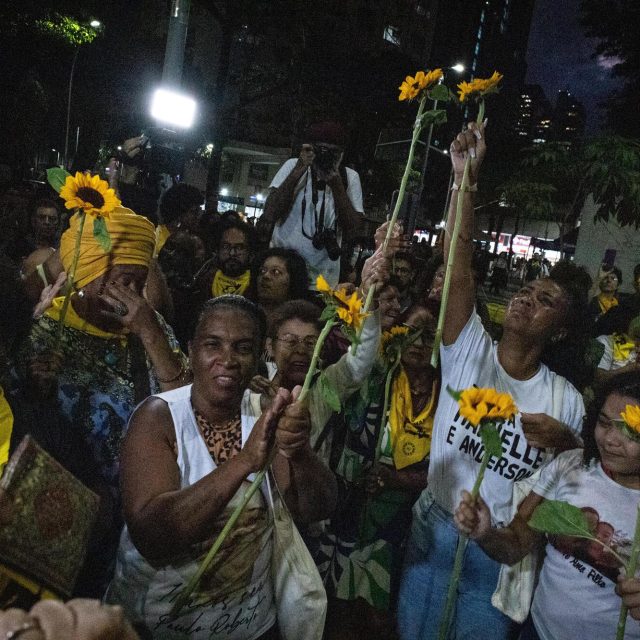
column 417, row 130
column 385, row 407
column 185, row 594
column 71, row 277
column 463, row 540
column 330, row 323
column 630, row 573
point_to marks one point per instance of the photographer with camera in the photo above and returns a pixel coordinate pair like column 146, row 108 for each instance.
column 314, row 200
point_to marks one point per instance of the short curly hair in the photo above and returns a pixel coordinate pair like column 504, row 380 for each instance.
column 236, row 303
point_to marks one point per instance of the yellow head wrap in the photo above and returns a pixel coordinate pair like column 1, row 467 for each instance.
column 132, row 242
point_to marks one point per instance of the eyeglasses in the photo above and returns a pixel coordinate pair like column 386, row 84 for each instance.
column 291, row 342
column 235, row 248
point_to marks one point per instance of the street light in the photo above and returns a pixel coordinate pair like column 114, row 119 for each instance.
column 458, row 67
column 96, row 24
column 174, row 108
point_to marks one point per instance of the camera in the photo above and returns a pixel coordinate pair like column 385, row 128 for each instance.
column 163, row 151
column 325, row 157
column 327, row 239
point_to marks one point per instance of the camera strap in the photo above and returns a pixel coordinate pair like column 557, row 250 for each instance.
column 318, row 219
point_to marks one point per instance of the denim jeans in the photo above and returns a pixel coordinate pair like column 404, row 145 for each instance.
column 425, row 579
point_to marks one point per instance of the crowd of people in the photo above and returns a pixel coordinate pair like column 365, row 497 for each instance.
column 172, row 378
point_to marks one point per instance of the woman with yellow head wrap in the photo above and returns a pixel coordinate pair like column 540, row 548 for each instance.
column 115, row 350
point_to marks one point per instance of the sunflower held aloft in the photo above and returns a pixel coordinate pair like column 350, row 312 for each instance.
column 479, row 87
column 413, row 87
column 348, row 308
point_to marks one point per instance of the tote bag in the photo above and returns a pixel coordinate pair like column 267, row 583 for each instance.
column 300, row 596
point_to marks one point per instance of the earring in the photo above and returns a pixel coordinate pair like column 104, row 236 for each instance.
column 81, row 293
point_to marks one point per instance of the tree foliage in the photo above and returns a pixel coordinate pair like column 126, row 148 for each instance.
column 616, row 24
column 607, row 167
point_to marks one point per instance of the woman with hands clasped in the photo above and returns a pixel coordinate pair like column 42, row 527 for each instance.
column 576, row 592
column 188, row 458
column 539, row 316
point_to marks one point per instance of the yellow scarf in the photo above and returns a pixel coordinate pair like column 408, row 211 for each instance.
column 73, row 320
column 6, row 427
column 410, row 436
column 162, row 235
column 222, row 284
column 622, row 347
column 606, row 303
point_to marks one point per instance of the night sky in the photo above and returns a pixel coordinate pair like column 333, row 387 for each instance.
column 559, row 57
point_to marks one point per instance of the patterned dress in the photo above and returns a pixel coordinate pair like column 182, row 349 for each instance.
column 96, row 396
column 361, row 548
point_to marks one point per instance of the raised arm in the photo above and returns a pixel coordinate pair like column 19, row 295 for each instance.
column 279, row 202
column 462, row 291
column 507, row 545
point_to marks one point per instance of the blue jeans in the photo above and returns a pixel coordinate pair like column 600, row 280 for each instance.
column 425, row 579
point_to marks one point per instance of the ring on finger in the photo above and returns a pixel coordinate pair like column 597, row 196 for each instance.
column 121, row 309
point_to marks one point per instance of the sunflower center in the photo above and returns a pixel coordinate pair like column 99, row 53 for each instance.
column 87, row 194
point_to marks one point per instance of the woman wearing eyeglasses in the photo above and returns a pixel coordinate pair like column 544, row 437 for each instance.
column 292, row 334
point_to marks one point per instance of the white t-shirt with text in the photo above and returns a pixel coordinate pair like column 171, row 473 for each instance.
column 575, row 595
column 290, row 234
column 456, row 448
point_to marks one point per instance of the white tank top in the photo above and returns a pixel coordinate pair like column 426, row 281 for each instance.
column 235, row 598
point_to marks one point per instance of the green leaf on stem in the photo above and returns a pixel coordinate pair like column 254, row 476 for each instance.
column 491, row 439
column 329, row 393
column 560, row 518
column 435, row 117
column 101, row 233
column 440, row 92
column 56, row 177
column 328, row 312
column 456, row 395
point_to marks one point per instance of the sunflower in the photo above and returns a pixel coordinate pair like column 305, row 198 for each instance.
column 351, row 312
column 333, row 295
column 478, row 405
column 408, row 89
column 412, row 87
column 630, row 422
column 89, row 193
column 479, row 87
column 393, row 339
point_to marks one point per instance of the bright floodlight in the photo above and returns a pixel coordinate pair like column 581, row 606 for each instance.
column 459, row 67
column 173, row 108
column 95, row 24
column 224, row 192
